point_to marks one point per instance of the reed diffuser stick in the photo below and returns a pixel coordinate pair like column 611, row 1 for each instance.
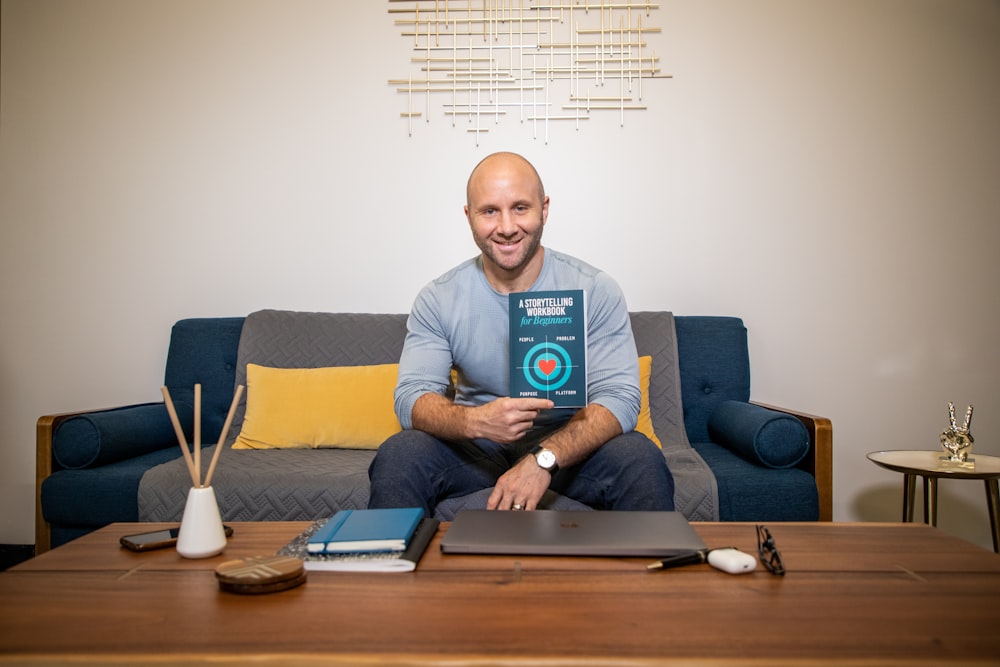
column 222, row 435
column 179, row 433
column 197, row 433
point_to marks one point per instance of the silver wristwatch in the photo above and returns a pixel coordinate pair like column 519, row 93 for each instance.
column 546, row 459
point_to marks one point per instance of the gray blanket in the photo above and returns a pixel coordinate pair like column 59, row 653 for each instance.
column 297, row 484
column 696, row 492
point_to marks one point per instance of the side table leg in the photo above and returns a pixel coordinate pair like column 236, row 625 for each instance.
column 930, row 500
column 993, row 502
column 909, row 487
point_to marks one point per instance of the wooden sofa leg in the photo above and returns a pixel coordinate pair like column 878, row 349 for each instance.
column 43, row 468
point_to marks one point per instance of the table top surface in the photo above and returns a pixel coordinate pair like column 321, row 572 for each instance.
column 936, row 463
column 882, row 594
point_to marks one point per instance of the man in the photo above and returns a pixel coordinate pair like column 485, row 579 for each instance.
column 483, row 438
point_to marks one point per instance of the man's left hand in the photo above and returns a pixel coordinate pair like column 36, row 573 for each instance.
column 521, row 487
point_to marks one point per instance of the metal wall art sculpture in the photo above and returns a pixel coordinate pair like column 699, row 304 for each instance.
column 541, row 62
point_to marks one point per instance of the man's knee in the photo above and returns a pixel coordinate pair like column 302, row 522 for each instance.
column 401, row 450
column 397, row 473
column 408, row 439
column 642, row 461
column 634, row 447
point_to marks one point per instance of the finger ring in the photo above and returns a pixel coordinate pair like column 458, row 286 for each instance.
column 517, row 507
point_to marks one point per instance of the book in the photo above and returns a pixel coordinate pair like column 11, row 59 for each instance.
column 379, row 561
column 548, row 346
column 352, row 531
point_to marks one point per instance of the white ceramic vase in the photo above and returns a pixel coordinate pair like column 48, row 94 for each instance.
column 202, row 534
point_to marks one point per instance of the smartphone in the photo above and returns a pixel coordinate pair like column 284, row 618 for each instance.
column 157, row 539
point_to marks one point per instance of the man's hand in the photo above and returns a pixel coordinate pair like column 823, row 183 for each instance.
column 521, row 487
column 506, row 420
column 525, row 483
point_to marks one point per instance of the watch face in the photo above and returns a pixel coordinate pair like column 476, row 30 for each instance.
column 546, row 459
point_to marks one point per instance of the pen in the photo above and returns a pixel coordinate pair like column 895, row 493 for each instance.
column 690, row 558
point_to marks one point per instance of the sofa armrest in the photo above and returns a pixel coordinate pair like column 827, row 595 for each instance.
column 44, row 428
column 111, row 434
column 819, row 461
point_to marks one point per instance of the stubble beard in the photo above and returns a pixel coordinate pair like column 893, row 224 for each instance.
column 531, row 243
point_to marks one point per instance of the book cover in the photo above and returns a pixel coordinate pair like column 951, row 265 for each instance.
column 350, row 531
column 548, row 346
column 380, row 561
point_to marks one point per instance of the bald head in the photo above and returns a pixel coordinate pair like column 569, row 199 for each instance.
column 506, row 209
column 499, row 165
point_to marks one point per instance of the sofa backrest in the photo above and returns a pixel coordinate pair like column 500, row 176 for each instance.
column 292, row 339
column 714, row 364
column 203, row 351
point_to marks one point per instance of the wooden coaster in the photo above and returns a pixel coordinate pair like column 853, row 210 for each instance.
column 260, row 574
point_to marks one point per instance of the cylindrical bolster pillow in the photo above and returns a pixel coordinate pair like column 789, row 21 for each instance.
column 99, row 438
column 761, row 436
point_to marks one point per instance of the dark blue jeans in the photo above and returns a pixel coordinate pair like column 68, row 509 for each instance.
column 416, row 469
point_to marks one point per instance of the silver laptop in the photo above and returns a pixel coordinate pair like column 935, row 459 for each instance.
column 570, row 533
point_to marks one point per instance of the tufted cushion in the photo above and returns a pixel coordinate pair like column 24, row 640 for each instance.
column 203, row 351
column 759, row 435
column 98, row 438
column 750, row 492
column 94, row 497
column 714, row 367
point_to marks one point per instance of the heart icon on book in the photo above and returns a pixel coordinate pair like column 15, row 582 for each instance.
column 547, row 366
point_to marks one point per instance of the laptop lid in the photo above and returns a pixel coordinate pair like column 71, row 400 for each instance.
column 570, row 533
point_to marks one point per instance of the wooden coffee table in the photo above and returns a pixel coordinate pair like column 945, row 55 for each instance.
column 877, row 594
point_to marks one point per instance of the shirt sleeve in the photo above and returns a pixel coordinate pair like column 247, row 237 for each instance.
column 426, row 361
column 612, row 361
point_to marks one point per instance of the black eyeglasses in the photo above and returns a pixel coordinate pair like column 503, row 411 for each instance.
column 769, row 554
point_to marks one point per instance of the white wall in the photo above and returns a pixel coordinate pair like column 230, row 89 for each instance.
column 828, row 170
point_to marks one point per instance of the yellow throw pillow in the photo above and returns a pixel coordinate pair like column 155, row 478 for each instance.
column 645, row 423
column 343, row 406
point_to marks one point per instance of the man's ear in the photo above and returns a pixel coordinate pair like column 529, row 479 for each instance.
column 545, row 209
column 467, row 216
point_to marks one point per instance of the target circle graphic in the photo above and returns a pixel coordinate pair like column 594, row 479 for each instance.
column 547, row 366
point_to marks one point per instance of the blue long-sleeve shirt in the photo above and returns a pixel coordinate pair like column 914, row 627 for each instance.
column 459, row 321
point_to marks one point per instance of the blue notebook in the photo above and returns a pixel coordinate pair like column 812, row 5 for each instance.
column 355, row 531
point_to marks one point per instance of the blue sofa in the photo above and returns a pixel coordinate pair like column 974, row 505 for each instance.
column 769, row 464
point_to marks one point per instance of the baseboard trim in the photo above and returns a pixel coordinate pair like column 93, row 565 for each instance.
column 12, row 554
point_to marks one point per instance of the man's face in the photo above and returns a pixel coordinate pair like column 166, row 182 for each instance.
column 507, row 214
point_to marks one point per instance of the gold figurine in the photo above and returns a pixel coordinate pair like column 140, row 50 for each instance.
column 957, row 440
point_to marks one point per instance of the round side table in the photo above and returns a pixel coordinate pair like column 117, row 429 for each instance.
column 929, row 466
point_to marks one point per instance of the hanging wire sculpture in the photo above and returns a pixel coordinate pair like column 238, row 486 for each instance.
column 491, row 59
